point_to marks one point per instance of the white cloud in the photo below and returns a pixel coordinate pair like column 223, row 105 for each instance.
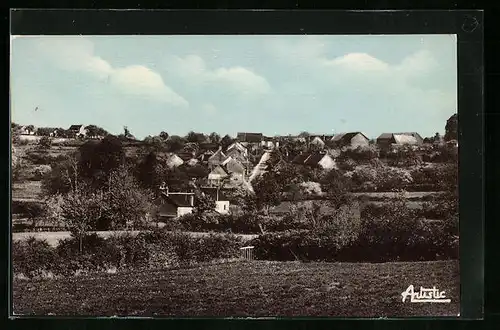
column 193, row 69
column 77, row 54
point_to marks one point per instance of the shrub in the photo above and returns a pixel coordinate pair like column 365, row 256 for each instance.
column 32, row 257
column 45, row 143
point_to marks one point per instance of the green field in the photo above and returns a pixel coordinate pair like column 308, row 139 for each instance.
column 258, row 288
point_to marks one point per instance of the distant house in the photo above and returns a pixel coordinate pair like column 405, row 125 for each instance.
column 388, row 139
column 205, row 156
column 250, row 138
column 237, row 146
column 78, row 130
column 317, row 141
column 235, row 169
column 217, row 175
column 270, row 142
column 174, row 161
column 318, row 159
column 27, row 130
column 217, row 158
column 236, row 154
column 351, row 139
column 174, row 204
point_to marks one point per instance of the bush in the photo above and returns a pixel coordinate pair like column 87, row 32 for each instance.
column 32, row 257
column 45, row 143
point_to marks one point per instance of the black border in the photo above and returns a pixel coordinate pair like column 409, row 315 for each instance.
column 470, row 79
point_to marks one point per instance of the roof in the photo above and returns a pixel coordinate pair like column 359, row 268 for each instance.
column 346, row 137
column 300, row 159
column 250, row 137
column 314, row 159
column 219, row 170
column 405, row 139
column 385, row 136
column 75, row 127
column 179, row 200
column 185, row 156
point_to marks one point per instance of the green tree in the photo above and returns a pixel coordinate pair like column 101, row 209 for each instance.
column 226, row 141
column 164, row 136
column 125, row 201
column 192, row 137
column 214, row 137
column 45, row 143
column 95, row 131
column 175, row 143
column 79, row 212
column 63, row 177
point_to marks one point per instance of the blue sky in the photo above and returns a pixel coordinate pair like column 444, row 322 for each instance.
column 269, row 84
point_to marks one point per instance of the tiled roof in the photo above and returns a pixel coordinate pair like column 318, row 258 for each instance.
column 179, row 200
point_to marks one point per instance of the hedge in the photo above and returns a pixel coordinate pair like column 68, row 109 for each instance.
column 148, row 250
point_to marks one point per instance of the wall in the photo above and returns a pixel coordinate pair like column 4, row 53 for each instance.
column 184, row 210
column 222, row 207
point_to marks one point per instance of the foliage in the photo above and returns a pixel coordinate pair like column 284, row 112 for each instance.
column 45, row 143
column 125, row 201
column 164, row 136
column 214, row 137
column 175, row 143
column 32, row 257
column 98, row 159
column 63, row 177
column 45, row 131
column 80, row 211
column 96, row 131
column 226, row 141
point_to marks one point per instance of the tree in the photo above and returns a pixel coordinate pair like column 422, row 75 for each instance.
column 337, row 187
column 204, row 204
column 226, row 141
column 175, row 143
column 304, row 134
column 164, row 136
column 125, row 200
column 95, row 131
column 148, row 171
column 45, row 131
column 45, row 142
column 451, row 128
column 63, row 177
column 192, row 137
column 99, row 159
column 268, row 192
column 214, row 137
column 154, row 143
column 79, row 212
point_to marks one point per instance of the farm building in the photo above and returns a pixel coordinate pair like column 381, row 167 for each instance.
column 237, row 147
column 78, row 130
column 27, row 130
column 235, row 169
column 217, row 158
column 236, row 154
column 351, row 139
column 388, row 139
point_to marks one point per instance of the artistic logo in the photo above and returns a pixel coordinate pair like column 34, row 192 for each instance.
column 425, row 295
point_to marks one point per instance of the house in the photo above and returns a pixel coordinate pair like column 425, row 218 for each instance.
column 222, row 203
column 351, row 139
column 205, row 156
column 27, row 130
column 77, row 130
column 317, row 141
column 317, row 159
column 235, row 169
column 320, row 159
column 388, row 139
column 249, row 138
column 270, row 142
column 236, row 154
column 237, row 146
column 217, row 175
column 174, row 161
column 217, row 158
column 174, row 204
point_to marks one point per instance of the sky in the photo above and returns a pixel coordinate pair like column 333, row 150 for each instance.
column 274, row 84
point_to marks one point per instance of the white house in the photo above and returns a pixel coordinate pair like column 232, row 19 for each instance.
column 317, row 141
column 78, row 130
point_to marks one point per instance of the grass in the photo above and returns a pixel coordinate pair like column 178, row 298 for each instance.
column 256, row 288
column 27, row 190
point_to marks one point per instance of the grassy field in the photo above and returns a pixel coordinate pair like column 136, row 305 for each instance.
column 27, row 190
column 256, row 288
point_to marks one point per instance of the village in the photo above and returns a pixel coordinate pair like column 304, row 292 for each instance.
column 228, row 164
